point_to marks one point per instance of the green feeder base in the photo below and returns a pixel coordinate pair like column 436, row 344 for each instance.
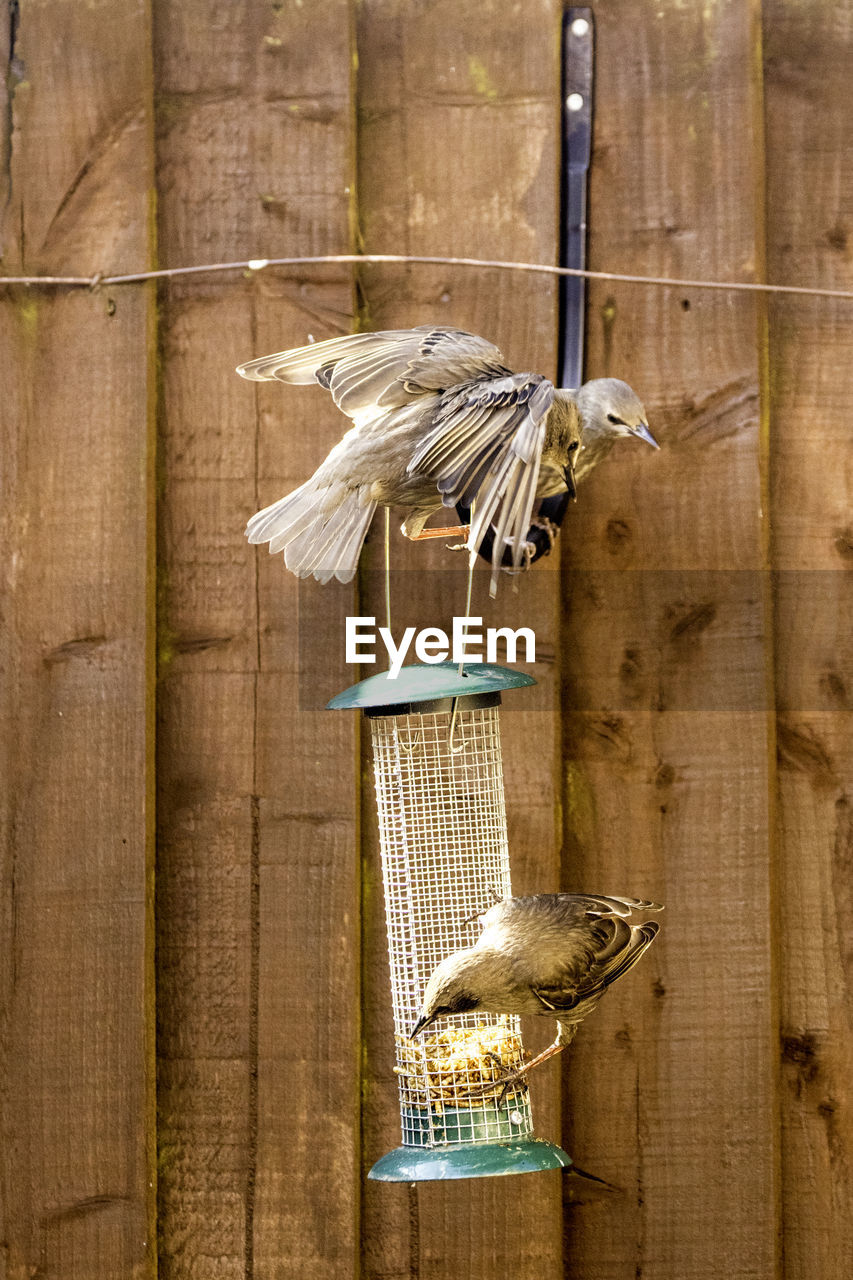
column 473, row 1160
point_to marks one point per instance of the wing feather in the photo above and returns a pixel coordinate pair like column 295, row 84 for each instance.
column 605, row 970
column 303, row 364
column 516, row 511
column 569, row 908
column 484, row 451
column 386, row 369
column 463, row 456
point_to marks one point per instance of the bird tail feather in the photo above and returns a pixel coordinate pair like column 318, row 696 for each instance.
column 320, row 530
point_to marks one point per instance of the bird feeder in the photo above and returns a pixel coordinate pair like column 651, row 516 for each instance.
column 442, row 828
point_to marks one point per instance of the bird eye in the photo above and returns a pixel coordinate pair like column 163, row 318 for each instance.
column 617, row 422
column 573, row 446
column 464, row 1002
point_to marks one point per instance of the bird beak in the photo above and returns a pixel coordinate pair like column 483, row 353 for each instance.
column 569, row 477
column 642, row 432
column 423, row 1021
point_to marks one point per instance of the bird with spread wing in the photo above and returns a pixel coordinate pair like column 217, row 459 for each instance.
column 438, row 420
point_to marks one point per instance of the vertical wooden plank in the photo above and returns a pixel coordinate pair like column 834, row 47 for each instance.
column 810, row 215
column 672, row 1086
column 258, row 874
column 76, row 693
column 458, row 154
column 307, row 1207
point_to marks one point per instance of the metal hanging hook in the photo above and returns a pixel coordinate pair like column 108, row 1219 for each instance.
column 410, row 747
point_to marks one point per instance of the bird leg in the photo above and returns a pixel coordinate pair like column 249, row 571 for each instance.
column 505, row 1084
column 528, row 551
column 513, row 1074
column 446, row 531
column 550, row 528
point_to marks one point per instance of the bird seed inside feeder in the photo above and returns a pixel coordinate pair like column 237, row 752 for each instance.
column 444, row 1067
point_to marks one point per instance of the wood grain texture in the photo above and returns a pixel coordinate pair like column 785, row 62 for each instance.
column 76, row 687
column 258, row 881
column 458, row 154
column 724, row 1129
column 809, row 117
column 671, row 1088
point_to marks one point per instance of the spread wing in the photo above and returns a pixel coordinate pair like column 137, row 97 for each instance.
column 374, row 372
column 484, row 450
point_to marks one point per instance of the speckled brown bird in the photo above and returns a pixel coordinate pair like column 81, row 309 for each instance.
column 552, row 955
column 439, row 420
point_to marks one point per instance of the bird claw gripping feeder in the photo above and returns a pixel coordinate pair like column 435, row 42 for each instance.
column 442, row 829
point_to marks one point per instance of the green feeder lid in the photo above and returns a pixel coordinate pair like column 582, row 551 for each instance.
column 473, row 1160
column 429, row 683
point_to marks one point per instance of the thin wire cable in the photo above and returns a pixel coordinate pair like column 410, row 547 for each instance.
column 540, row 268
column 388, row 568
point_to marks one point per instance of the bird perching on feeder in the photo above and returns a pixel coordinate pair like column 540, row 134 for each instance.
column 442, row 830
column 549, row 955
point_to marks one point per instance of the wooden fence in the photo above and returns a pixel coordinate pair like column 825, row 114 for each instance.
column 195, row 1044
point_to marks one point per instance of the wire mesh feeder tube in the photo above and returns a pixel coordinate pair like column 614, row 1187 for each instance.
column 444, row 855
column 445, row 859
